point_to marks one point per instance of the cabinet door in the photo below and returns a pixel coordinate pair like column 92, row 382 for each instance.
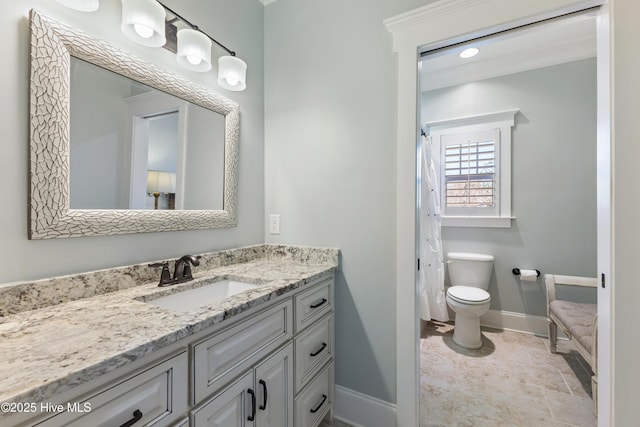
column 233, row 407
column 274, row 388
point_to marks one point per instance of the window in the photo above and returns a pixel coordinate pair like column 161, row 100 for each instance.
column 475, row 171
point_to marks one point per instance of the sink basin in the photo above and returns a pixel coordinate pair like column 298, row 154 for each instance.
column 193, row 299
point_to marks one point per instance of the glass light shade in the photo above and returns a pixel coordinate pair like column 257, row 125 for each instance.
column 161, row 182
column 81, row 5
column 232, row 73
column 194, row 50
column 143, row 22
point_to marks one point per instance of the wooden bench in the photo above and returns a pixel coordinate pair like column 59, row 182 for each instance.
column 578, row 321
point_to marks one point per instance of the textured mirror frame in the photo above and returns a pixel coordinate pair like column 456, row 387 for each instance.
column 50, row 216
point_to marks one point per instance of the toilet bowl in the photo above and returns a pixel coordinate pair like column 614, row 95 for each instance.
column 469, row 275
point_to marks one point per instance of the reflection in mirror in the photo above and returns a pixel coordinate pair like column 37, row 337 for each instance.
column 134, row 132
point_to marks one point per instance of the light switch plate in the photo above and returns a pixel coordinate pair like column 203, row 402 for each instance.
column 274, row 224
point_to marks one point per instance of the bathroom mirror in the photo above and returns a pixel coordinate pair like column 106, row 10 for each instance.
column 137, row 133
column 54, row 47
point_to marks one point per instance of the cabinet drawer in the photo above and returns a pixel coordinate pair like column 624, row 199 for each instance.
column 156, row 396
column 315, row 400
column 312, row 349
column 313, row 304
column 217, row 360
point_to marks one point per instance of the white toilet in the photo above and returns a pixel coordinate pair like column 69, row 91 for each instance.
column 469, row 275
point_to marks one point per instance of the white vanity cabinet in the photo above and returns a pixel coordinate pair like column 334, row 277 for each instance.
column 254, row 385
column 262, row 397
column 272, row 367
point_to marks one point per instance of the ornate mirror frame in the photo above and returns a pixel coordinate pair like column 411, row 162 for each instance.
column 50, row 216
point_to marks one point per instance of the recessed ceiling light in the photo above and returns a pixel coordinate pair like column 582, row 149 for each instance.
column 468, row 53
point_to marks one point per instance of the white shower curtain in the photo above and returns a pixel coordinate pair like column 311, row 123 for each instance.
column 433, row 304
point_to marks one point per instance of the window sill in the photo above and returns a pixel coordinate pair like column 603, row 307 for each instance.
column 477, row 221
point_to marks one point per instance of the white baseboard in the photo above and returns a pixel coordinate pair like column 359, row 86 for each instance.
column 361, row 410
column 510, row 321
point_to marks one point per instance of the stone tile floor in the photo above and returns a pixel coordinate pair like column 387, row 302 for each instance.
column 335, row 423
column 513, row 380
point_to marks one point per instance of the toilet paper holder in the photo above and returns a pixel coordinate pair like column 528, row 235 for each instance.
column 516, row 271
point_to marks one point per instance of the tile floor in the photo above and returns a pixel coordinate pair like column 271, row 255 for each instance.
column 512, row 380
column 335, row 423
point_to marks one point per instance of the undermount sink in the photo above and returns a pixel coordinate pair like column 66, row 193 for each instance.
column 196, row 298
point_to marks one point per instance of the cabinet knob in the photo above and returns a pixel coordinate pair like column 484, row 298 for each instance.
column 322, row 347
column 253, row 405
column 264, row 395
column 317, row 408
column 324, row 300
column 137, row 416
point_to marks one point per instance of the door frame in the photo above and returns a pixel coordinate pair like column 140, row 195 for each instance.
column 440, row 24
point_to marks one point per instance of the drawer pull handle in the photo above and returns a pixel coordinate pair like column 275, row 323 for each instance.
column 324, row 300
column 264, row 394
column 317, row 408
column 253, row 405
column 137, row 416
column 322, row 347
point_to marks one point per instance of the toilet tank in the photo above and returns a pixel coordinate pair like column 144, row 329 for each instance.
column 467, row 269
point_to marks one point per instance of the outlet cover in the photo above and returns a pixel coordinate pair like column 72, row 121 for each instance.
column 274, row 224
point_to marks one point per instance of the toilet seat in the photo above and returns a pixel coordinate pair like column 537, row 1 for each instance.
column 468, row 295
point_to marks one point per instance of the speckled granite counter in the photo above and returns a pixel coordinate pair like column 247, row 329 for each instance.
column 91, row 324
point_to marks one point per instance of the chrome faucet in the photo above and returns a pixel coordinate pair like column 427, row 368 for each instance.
column 181, row 273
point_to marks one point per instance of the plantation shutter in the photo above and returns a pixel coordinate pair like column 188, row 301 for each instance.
column 470, row 172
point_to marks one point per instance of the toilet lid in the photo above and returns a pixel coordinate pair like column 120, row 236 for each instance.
column 468, row 295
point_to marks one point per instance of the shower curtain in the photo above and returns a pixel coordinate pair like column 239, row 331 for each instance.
column 433, row 304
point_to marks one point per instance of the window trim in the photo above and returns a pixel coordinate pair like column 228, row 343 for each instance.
column 502, row 121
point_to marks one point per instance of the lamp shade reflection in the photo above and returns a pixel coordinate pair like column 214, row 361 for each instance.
column 160, row 182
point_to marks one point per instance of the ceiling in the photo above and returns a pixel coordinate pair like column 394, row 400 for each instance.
column 541, row 45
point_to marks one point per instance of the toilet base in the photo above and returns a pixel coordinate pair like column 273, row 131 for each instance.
column 466, row 332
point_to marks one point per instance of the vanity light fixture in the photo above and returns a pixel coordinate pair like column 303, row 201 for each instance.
column 81, row 5
column 194, row 53
column 469, row 52
column 143, row 22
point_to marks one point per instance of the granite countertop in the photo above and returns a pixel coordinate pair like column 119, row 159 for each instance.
column 51, row 349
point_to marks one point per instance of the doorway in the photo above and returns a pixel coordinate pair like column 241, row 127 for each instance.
column 542, row 191
column 437, row 25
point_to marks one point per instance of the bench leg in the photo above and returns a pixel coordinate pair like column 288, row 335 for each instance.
column 594, row 394
column 553, row 336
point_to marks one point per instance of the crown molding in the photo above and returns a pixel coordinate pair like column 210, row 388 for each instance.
column 428, row 12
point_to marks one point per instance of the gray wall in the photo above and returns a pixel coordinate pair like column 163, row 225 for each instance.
column 238, row 23
column 553, row 178
column 96, row 139
column 330, row 109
